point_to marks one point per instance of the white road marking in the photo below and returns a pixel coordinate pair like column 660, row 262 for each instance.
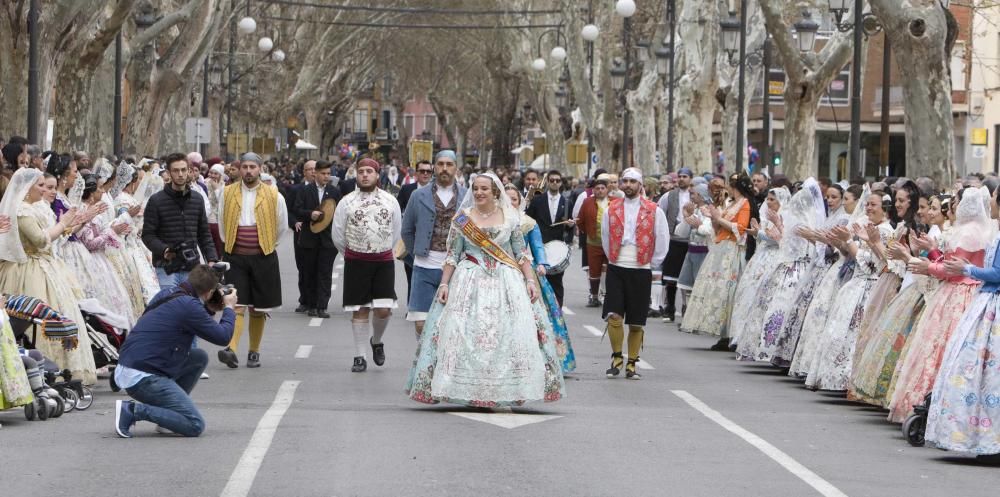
column 340, row 265
column 505, row 418
column 303, row 352
column 597, row 332
column 241, row 480
column 569, row 312
column 315, row 321
column 333, row 288
column 336, row 276
column 822, row 486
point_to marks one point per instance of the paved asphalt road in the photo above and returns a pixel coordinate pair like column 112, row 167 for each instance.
column 698, row 424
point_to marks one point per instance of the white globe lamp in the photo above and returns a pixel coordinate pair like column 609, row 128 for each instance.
column 558, row 54
column 265, row 44
column 278, row 55
column 590, row 33
column 625, row 8
column 247, row 25
column 538, row 64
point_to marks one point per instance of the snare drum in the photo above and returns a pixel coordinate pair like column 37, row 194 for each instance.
column 558, row 254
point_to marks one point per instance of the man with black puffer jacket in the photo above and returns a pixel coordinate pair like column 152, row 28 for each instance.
column 172, row 216
column 157, row 365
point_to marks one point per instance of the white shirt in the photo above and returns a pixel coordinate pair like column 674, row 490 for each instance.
column 554, row 205
column 628, row 255
column 683, row 198
column 358, row 226
column 247, row 215
column 579, row 203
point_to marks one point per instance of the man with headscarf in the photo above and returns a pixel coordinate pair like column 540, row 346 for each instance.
column 672, row 204
column 589, row 221
column 635, row 236
column 253, row 217
column 426, row 224
column 366, row 227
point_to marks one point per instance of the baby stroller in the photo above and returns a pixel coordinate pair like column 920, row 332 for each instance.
column 915, row 426
column 29, row 312
column 107, row 332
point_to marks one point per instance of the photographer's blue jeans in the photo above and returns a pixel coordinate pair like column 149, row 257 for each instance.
column 165, row 401
column 170, row 280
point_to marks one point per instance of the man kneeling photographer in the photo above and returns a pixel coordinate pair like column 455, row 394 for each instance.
column 157, row 365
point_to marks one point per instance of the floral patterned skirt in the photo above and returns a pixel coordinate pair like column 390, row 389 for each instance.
column 918, row 366
column 784, row 311
column 711, row 301
column 831, row 365
column 745, row 300
column 885, row 290
column 563, row 346
column 815, row 319
column 14, row 388
column 965, row 405
column 875, row 363
column 489, row 346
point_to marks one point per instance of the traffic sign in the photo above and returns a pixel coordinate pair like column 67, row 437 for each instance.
column 197, row 130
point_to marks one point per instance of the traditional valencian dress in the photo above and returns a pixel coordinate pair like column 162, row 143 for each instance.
column 965, row 404
column 714, row 291
column 533, row 239
column 831, row 366
column 746, row 311
column 918, row 365
column 777, row 333
column 489, row 345
column 46, row 277
column 14, row 388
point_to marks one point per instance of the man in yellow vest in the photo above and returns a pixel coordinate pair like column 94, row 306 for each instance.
column 252, row 218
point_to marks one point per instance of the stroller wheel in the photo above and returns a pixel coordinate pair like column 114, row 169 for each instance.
column 70, row 399
column 58, row 407
column 42, row 408
column 86, row 400
column 914, row 429
column 30, row 413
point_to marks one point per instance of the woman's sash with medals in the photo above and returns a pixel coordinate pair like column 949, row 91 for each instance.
column 482, row 240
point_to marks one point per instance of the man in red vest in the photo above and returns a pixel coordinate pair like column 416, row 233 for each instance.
column 589, row 221
column 636, row 238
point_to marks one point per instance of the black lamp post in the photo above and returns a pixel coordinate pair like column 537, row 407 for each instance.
column 734, row 36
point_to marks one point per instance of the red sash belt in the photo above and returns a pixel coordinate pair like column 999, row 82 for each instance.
column 368, row 257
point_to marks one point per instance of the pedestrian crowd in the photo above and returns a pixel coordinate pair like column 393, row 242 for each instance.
column 885, row 290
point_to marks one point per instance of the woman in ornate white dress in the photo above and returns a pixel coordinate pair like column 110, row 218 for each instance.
column 28, row 267
column 488, row 341
column 129, row 210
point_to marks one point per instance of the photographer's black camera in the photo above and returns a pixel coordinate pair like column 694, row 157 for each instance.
column 185, row 257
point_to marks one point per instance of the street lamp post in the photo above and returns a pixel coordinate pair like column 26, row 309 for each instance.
column 864, row 25
column 33, row 11
column 672, row 13
column 734, row 35
column 625, row 9
column 590, row 32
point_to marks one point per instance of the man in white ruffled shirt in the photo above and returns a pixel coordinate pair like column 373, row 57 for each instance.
column 635, row 237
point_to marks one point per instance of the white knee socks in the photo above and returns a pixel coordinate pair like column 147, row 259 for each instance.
column 361, row 335
column 378, row 328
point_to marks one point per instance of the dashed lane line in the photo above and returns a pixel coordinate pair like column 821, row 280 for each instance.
column 241, row 480
column 822, row 486
column 315, row 322
column 569, row 312
column 303, row 351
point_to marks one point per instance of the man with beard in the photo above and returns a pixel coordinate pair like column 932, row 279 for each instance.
column 422, row 175
column 529, row 183
column 761, row 185
column 589, row 220
column 308, row 177
column 635, row 238
column 366, row 227
column 253, row 218
column 426, row 225
column 672, row 205
column 317, row 250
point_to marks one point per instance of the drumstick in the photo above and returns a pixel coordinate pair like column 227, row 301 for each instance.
column 561, row 222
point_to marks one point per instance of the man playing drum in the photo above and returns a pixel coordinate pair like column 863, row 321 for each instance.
column 551, row 211
column 591, row 213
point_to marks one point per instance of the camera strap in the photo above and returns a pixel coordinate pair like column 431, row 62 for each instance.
column 179, row 291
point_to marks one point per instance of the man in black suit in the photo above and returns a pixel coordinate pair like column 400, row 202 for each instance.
column 548, row 209
column 318, row 250
column 424, row 172
column 308, row 177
